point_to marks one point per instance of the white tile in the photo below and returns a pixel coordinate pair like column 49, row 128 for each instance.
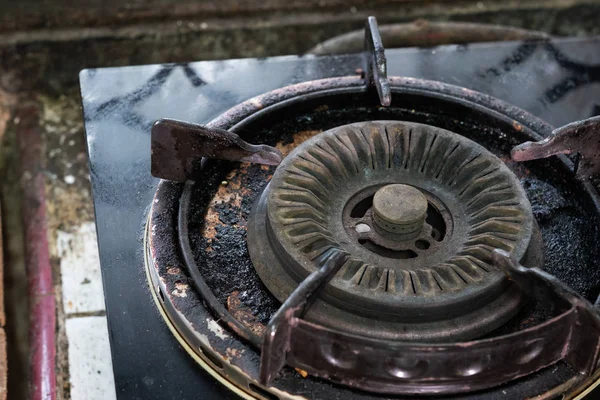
column 90, row 365
column 80, row 270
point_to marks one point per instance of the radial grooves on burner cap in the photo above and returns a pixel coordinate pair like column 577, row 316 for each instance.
column 317, row 172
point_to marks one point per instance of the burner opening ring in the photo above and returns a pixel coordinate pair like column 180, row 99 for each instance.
column 360, row 224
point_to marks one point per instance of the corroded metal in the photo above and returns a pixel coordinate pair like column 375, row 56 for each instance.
column 376, row 68
column 572, row 335
column 426, row 287
column 178, row 147
column 277, row 336
column 581, row 137
column 582, row 349
column 243, row 313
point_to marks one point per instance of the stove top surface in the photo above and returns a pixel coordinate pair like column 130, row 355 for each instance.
column 556, row 81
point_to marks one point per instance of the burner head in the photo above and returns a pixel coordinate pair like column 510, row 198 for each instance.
column 399, row 212
column 418, row 209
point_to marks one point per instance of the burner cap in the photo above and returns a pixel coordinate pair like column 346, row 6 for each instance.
column 418, row 209
column 399, row 211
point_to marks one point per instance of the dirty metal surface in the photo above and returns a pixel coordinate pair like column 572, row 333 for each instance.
column 375, row 63
column 178, row 147
column 552, row 80
column 581, row 138
column 276, row 338
column 428, row 368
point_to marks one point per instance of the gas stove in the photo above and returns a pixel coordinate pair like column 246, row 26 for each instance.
column 380, row 224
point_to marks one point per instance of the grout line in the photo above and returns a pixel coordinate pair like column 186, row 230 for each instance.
column 100, row 313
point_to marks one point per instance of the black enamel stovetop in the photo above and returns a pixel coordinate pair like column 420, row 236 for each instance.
column 557, row 81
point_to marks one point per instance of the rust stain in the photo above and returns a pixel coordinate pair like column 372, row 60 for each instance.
column 231, row 192
column 298, row 138
column 211, row 220
column 256, row 102
column 518, row 127
column 302, row 372
column 233, row 353
column 180, row 289
column 242, row 313
column 173, row 270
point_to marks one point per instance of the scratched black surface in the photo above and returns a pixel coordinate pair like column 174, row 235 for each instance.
column 557, row 81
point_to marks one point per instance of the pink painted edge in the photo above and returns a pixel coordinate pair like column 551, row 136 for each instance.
column 42, row 306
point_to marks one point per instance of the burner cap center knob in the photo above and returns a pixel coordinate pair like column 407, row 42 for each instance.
column 400, row 211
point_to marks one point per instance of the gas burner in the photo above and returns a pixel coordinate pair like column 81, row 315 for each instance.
column 201, row 233
column 417, row 208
